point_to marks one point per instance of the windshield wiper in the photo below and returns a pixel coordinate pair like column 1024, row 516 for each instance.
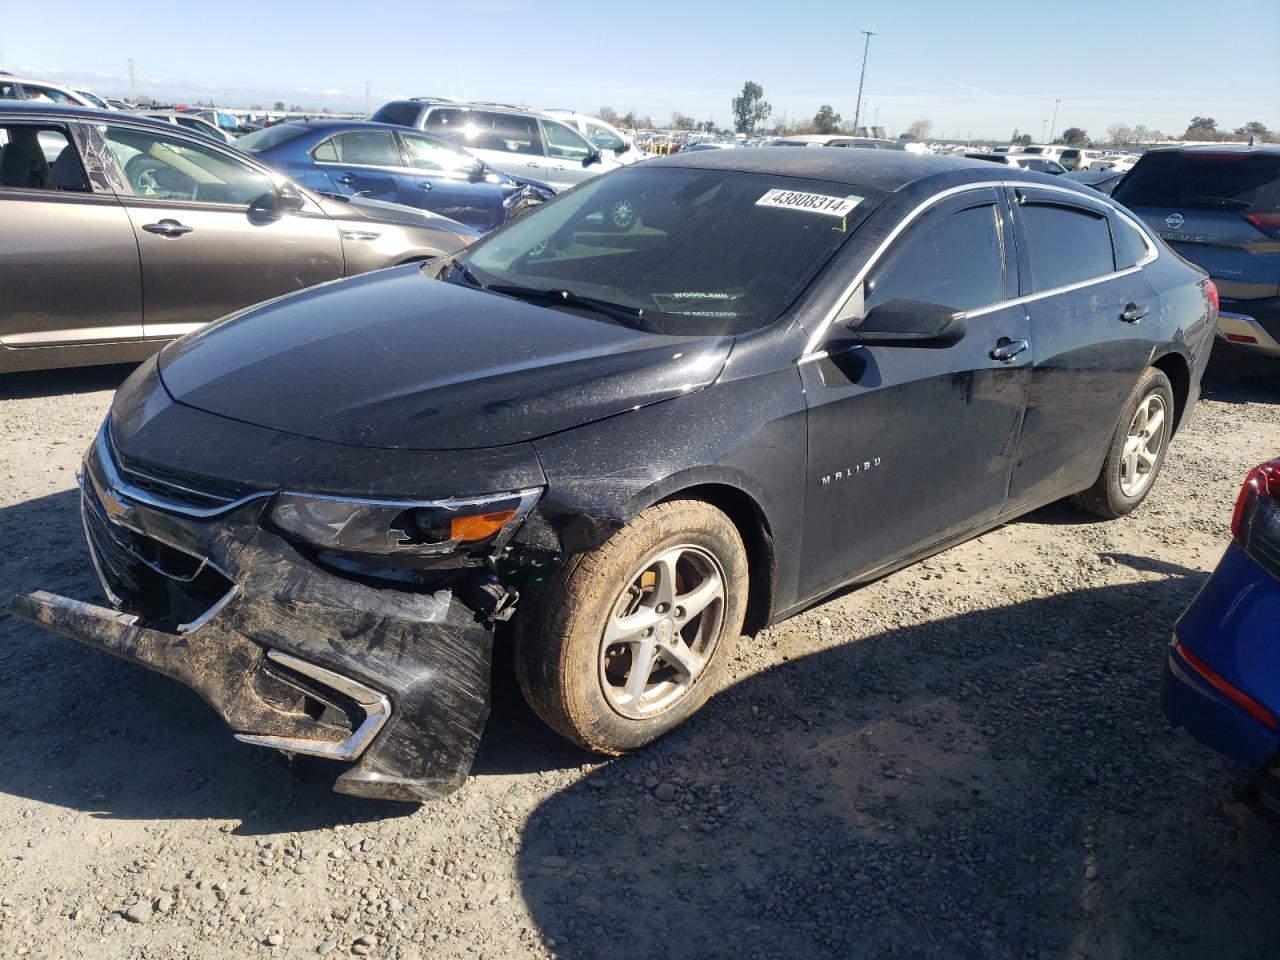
column 630, row 316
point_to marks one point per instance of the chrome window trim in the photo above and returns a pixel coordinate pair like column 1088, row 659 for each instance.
column 811, row 349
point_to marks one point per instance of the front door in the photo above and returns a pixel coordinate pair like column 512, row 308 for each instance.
column 205, row 250
column 447, row 181
column 1089, row 341
column 71, row 272
column 909, row 446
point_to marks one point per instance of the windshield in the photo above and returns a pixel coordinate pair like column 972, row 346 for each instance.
column 697, row 252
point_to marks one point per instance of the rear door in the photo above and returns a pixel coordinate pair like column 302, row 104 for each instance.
column 362, row 163
column 205, row 251
column 1088, row 355
column 71, row 272
column 1218, row 208
column 508, row 142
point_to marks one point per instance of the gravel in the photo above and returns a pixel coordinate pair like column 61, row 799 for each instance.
column 965, row 759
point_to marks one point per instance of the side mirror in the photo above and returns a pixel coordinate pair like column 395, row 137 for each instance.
column 622, row 147
column 274, row 204
column 593, row 157
column 910, row 323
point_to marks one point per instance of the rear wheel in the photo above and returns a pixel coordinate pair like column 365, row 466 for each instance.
column 633, row 638
column 1137, row 450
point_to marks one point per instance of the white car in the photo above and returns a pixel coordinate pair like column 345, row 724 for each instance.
column 97, row 101
column 19, row 88
column 1078, row 158
column 605, row 137
column 1115, row 161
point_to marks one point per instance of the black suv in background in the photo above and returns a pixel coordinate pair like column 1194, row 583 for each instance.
column 1219, row 206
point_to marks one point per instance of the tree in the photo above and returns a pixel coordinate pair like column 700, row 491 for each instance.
column 1119, row 135
column 750, row 107
column 1024, row 140
column 1254, row 129
column 609, row 115
column 1141, row 135
column 279, row 105
column 826, row 120
column 919, row 130
column 1075, row 136
column 1202, row 128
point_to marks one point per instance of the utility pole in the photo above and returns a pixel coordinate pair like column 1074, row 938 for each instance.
column 367, row 103
column 866, row 47
column 1044, row 123
column 133, row 83
column 1054, row 125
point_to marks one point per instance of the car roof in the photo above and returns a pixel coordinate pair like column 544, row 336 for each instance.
column 886, row 170
column 1218, row 148
column 58, row 111
column 428, row 102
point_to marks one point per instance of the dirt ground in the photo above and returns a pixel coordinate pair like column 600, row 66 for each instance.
column 966, row 759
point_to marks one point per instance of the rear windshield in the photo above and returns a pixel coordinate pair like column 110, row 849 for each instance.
column 270, row 137
column 1033, row 149
column 700, row 252
column 401, row 114
column 1238, row 182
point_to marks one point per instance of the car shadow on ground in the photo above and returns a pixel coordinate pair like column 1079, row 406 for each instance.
column 56, row 383
column 1234, row 378
column 998, row 783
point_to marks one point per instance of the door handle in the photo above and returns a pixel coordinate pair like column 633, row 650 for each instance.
column 167, row 228
column 1132, row 313
column 1007, row 349
column 535, row 166
column 425, row 184
column 346, row 180
column 561, row 167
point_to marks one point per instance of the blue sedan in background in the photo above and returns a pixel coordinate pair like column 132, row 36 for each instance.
column 385, row 162
column 1222, row 678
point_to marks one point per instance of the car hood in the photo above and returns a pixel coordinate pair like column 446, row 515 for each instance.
column 396, row 359
column 366, row 209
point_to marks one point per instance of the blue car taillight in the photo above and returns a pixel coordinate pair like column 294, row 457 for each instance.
column 1256, row 522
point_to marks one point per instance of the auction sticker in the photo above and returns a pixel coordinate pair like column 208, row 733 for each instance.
column 813, row 202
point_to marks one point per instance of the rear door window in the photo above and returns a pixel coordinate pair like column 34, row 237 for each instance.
column 955, row 262
column 1234, row 182
column 39, row 157
column 1065, row 244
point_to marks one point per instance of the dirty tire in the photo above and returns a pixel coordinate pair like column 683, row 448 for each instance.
column 558, row 644
column 1106, row 498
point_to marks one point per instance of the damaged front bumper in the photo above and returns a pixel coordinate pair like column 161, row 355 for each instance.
column 290, row 655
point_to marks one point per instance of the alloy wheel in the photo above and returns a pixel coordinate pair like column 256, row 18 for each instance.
column 1142, row 446
column 662, row 632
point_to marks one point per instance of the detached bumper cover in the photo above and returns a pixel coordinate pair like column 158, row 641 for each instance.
column 288, row 654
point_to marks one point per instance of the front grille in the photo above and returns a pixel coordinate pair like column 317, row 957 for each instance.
column 167, row 587
column 158, row 484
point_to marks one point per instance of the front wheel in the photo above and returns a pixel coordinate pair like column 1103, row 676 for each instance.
column 631, row 639
column 1137, row 450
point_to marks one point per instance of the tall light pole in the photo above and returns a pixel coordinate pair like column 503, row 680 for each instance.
column 1054, row 124
column 1044, row 124
column 866, row 47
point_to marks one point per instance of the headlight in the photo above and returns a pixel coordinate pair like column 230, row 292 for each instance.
column 403, row 529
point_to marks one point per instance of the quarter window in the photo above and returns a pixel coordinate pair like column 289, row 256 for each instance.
column 1130, row 244
column 954, row 262
column 167, row 168
column 373, row 148
column 1065, row 245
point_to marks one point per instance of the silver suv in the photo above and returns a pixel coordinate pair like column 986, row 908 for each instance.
column 519, row 142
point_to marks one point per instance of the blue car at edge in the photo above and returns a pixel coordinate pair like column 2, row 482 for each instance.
column 385, row 162
column 1222, row 677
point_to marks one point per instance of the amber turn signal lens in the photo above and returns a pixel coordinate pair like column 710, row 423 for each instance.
column 480, row 526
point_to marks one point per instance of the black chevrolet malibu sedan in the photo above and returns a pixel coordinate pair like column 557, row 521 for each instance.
column 790, row 371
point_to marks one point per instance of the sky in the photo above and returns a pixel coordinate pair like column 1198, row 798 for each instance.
column 973, row 69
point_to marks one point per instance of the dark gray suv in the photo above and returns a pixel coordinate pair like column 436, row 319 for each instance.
column 1219, row 206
